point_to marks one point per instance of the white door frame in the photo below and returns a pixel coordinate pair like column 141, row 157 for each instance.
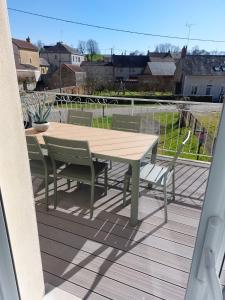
column 209, row 249
column 15, row 178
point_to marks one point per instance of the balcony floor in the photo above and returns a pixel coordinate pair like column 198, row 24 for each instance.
column 106, row 258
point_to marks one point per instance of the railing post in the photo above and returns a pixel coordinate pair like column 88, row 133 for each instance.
column 132, row 107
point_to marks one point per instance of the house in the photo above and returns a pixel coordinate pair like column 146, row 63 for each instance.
column 128, row 66
column 68, row 75
column 25, row 53
column 124, row 68
column 99, row 74
column 27, row 63
column 61, row 54
column 158, row 74
column 201, row 75
column 44, row 65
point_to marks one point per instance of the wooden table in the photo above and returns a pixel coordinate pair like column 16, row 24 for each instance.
column 121, row 146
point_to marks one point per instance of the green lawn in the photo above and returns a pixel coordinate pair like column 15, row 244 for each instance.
column 170, row 137
column 111, row 93
column 210, row 121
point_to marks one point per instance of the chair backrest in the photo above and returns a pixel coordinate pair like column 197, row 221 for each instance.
column 77, row 117
column 179, row 150
column 34, row 148
column 126, row 123
column 68, row 151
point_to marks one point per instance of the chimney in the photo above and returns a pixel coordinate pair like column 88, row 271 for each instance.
column 184, row 52
column 28, row 39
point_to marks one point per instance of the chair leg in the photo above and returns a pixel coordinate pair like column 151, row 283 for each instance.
column 125, row 188
column 68, row 183
column 173, row 184
column 55, row 192
column 92, row 198
column 165, row 203
column 46, row 192
column 106, row 180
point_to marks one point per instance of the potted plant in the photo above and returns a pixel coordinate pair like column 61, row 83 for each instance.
column 39, row 113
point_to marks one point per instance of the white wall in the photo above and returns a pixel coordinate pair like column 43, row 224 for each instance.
column 65, row 58
column 15, row 178
column 201, row 82
column 77, row 59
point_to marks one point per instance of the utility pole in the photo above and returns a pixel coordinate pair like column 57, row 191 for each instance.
column 189, row 25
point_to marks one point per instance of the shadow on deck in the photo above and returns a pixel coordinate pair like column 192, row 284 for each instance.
column 106, row 258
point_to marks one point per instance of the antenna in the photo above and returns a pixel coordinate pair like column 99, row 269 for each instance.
column 189, row 25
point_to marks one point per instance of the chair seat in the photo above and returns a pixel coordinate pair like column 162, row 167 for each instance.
column 81, row 172
column 37, row 166
column 151, row 173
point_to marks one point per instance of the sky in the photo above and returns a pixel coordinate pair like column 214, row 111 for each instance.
column 165, row 17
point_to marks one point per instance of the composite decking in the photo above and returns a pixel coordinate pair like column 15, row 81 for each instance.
column 106, row 258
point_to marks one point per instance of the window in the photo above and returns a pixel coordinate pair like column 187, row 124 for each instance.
column 194, row 89
column 208, row 90
column 78, row 59
column 30, row 60
column 73, row 57
column 56, row 57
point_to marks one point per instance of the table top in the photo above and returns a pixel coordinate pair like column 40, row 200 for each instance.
column 102, row 142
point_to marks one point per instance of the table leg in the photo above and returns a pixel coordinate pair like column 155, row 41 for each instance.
column 153, row 159
column 135, row 192
column 154, row 153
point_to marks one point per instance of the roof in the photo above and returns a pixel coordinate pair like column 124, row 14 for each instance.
column 25, row 67
column 24, row 45
column 162, row 68
column 160, row 56
column 61, row 48
column 95, row 63
column 73, row 68
column 43, row 62
column 203, row 65
column 130, row 61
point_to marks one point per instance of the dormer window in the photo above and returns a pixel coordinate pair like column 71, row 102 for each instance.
column 217, row 68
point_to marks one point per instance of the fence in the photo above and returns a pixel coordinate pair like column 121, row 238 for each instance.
column 169, row 119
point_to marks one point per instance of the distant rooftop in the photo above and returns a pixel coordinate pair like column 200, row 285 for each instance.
column 73, row 68
column 162, row 68
column 203, row 65
column 61, row 48
column 160, row 57
column 21, row 44
column 130, row 61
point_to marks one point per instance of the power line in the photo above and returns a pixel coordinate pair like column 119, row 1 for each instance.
column 114, row 29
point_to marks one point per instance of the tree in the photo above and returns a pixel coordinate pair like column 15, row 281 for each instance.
column 40, row 45
column 81, row 47
column 136, row 52
column 166, row 47
column 196, row 51
column 92, row 48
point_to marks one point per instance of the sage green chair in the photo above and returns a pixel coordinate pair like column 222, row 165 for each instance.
column 82, row 118
column 79, row 164
column 126, row 123
column 40, row 164
column 156, row 175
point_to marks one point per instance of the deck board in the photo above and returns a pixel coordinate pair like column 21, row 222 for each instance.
column 106, row 258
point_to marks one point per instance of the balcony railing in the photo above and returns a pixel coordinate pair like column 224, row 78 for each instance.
column 169, row 119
